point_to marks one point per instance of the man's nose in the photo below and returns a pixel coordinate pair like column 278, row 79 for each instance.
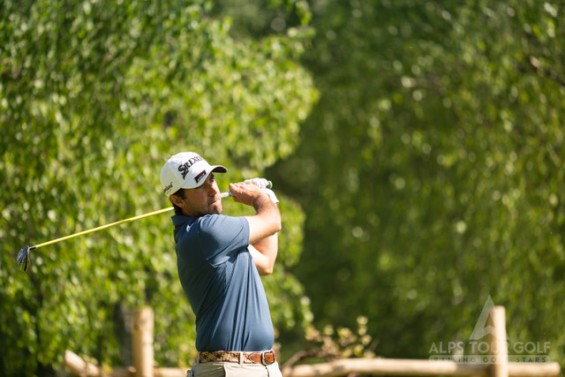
column 212, row 190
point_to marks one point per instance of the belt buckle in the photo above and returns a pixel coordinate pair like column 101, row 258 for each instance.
column 263, row 361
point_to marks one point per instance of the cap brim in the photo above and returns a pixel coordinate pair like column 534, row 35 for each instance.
column 219, row 169
column 214, row 169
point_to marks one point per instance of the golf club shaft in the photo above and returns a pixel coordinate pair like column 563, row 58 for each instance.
column 103, row 227
column 223, row 195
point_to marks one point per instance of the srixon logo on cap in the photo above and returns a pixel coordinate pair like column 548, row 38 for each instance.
column 184, row 167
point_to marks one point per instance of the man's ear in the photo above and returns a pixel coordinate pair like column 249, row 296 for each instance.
column 176, row 200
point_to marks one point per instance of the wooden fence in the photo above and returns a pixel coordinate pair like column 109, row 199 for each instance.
column 498, row 365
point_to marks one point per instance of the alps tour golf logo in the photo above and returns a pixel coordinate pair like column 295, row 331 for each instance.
column 478, row 348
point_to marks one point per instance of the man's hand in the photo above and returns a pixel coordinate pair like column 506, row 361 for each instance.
column 267, row 219
column 246, row 193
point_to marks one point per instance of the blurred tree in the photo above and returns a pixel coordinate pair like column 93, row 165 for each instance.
column 94, row 96
column 431, row 170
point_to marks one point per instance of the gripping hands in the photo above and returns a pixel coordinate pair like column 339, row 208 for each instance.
column 265, row 186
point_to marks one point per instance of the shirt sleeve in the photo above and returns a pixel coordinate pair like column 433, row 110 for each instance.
column 223, row 236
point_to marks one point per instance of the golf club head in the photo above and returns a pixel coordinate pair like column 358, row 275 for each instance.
column 23, row 259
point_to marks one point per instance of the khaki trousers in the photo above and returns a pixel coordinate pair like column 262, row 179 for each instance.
column 221, row 369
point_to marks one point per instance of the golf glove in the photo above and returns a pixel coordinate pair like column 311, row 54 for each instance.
column 265, row 186
column 262, row 183
column 270, row 193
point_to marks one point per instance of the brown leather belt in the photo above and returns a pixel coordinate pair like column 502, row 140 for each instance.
column 265, row 357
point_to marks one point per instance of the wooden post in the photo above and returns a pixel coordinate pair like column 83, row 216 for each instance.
column 142, row 342
column 498, row 349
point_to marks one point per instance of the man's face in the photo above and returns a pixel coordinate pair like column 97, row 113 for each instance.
column 202, row 200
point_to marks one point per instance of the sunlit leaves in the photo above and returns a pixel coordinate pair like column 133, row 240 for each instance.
column 94, row 97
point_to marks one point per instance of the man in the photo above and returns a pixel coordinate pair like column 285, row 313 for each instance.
column 219, row 259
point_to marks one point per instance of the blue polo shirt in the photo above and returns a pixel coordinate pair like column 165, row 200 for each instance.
column 222, row 284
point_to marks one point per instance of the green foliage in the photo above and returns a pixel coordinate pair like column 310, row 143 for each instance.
column 341, row 342
column 94, row 96
column 431, row 171
column 267, row 17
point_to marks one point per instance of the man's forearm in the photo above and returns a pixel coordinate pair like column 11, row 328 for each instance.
column 265, row 207
column 266, row 222
column 264, row 254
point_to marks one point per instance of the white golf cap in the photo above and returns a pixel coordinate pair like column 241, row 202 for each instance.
column 186, row 170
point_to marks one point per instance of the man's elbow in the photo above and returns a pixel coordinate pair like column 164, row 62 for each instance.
column 276, row 225
column 266, row 270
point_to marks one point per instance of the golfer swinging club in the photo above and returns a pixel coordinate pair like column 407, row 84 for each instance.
column 219, row 260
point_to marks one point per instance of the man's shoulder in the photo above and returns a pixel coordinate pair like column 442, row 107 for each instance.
column 217, row 221
column 189, row 221
column 209, row 226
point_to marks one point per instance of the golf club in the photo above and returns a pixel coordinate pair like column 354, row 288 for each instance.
column 24, row 259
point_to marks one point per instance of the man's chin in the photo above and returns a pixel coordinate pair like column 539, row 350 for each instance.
column 216, row 208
